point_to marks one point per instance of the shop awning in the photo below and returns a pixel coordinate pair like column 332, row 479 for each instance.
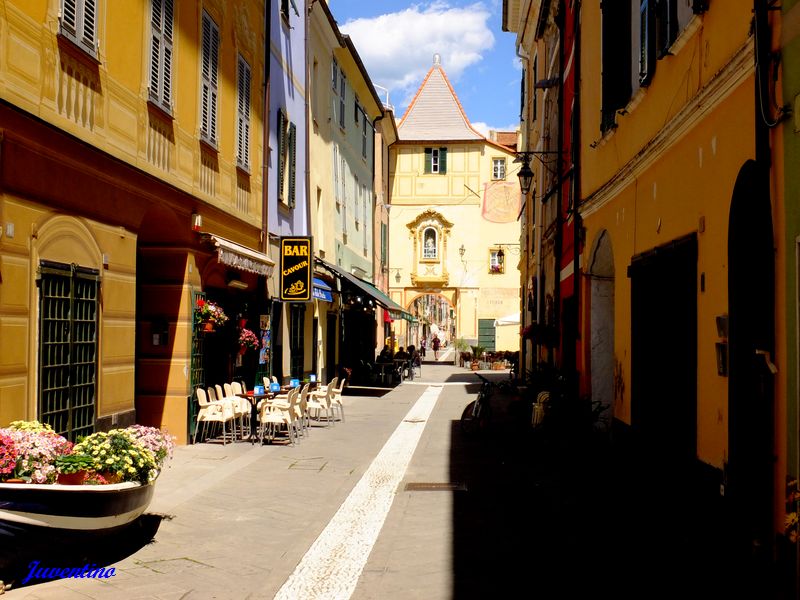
column 369, row 289
column 322, row 291
column 240, row 257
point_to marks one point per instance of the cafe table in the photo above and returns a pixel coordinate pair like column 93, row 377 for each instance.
column 254, row 399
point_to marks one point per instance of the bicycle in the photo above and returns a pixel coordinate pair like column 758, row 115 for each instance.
column 478, row 413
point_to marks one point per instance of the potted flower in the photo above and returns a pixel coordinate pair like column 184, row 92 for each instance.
column 477, row 356
column 209, row 314
column 248, row 341
column 119, row 456
column 8, row 457
column 37, row 447
column 160, row 443
column 73, row 468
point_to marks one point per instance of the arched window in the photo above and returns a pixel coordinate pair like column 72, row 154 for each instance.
column 430, row 243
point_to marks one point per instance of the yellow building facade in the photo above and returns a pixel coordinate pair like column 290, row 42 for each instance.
column 129, row 130
column 453, row 222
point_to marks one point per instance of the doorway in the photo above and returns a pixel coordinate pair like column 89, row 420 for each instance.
column 664, row 351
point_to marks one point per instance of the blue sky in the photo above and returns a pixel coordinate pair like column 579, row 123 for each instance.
column 397, row 39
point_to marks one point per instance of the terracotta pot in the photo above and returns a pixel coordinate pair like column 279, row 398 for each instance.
column 76, row 478
column 208, row 326
column 15, row 480
column 111, row 476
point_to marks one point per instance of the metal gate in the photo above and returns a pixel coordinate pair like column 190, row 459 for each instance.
column 197, row 368
column 68, row 311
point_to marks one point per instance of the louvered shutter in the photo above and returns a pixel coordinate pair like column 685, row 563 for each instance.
column 209, row 85
column 156, row 44
column 89, row 22
column 243, row 114
column 336, row 194
column 428, row 157
column 292, row 164
column 69, row 18
column 281, row 135
column 442, row 161
column 166, row 61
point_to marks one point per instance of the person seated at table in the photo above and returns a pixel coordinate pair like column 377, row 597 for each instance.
column 385, row 355
column 402, row 354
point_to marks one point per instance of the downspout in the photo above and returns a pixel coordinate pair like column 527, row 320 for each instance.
column 266, row 149
column 577, row 222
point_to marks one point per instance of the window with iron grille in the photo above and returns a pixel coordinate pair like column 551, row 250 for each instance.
column 78, row 23
column 68, row 314
column 243, row 115
column 161, row 26
column 209, row 91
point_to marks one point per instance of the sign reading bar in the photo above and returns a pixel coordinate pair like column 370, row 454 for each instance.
column 296, row 262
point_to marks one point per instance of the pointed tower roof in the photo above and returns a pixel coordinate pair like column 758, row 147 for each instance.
column 435, row 112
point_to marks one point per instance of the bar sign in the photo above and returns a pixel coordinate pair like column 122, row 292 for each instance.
column 296, row 269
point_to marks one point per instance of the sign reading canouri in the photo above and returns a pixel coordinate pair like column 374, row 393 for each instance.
column 296, row 261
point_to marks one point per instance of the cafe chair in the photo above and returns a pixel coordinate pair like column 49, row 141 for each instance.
column 273, row 416
column 319, row 401
column 241, row 407
column 301, row 409
column 215, row 412
column 336, row 400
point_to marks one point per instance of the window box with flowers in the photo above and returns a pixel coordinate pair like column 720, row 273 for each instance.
column 209, row 315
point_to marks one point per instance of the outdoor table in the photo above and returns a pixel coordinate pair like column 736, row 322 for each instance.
column 382, row 366
column 254, row 398
column 400, row 365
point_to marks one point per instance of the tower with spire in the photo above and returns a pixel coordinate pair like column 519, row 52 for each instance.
column 454, row 235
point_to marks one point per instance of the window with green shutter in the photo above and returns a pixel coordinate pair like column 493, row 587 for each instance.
column 280, row 134
column 292, row 165
column 442, row 161
column 436, row 160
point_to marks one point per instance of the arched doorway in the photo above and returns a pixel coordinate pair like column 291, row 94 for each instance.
column 435, row 317
column 601, row 323
column 751, row 305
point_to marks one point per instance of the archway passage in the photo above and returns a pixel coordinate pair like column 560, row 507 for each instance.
column 751, row 301
column 436, row 318
column 601, row 323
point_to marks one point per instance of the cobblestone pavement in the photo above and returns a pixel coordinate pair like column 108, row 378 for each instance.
column 395, row 503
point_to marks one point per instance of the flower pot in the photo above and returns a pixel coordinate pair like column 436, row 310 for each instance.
column 111, row 476
column 76, row 478
column 208, row 326
column 474, row 365
column 14, row 480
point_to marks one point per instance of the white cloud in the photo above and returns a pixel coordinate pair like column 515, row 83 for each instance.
column 398, row 48
column 483, row 128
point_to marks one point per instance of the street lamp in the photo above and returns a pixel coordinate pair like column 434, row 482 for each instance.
column 525, row 174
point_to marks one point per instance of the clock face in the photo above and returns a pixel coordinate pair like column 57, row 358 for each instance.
column 501, row 201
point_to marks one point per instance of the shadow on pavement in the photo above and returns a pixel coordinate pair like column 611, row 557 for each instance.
column 564, row 518
column 73, row 550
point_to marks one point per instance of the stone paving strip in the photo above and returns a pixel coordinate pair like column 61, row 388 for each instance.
column 332, row 566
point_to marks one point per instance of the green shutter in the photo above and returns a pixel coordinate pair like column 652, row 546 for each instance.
column 428, row 155
column 292, row 163
column 281, row 135
column 442, row 161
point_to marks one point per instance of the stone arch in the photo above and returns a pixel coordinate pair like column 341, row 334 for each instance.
column 601, row 273
column 68, row 240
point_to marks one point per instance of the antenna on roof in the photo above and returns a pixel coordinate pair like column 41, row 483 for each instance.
column 437, row 60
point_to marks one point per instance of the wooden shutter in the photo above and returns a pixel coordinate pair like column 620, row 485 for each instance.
column 210, row 51
column 647, row 46
column 666, row 26
column 243, row 114
column 616, row 60
column 442, row 161
column 69, row 18
column 336, row 190
column 161, row 26
column 428, row 158
column 292, row 164
column 281, row 137
column 88, row 34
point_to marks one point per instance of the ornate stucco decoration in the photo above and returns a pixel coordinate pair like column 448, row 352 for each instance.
column 429, row 233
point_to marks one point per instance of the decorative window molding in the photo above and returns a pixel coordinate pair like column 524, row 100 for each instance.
column 209, row 80
column 161, row 29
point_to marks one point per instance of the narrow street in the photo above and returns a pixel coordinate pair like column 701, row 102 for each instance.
column 503, row 516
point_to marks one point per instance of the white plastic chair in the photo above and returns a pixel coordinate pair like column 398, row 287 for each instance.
column 319, row 401
column 336, row 399
column 215, row 412
column 274, row 415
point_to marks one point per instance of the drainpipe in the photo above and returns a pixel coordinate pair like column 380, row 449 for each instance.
column 575, row 131
column 266, row 151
